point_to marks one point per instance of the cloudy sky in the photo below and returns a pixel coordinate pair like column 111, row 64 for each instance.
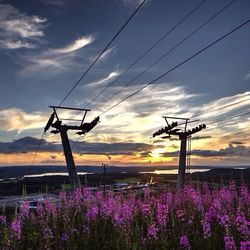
column 46, row 45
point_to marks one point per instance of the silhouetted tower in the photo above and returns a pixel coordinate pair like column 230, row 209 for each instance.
column 104, row 166
column 83, row 128
column 184, row 135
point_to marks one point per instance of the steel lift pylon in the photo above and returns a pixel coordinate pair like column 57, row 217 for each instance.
column 63, row 129
column 184, row 136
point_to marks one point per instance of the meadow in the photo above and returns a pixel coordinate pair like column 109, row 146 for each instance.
column 195, row 218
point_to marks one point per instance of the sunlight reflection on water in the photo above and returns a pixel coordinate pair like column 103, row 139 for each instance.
column 53, row 174
column 174, row 171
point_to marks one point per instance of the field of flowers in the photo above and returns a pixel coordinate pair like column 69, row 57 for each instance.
column 196, row 218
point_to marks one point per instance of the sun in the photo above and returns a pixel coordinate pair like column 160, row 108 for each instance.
column 156, row 153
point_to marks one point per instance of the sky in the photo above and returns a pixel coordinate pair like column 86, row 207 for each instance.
column 46, row 46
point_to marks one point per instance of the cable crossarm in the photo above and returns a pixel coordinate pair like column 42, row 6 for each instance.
column 166, row 53
column 102, row 52
column 148, row 50
column 177, row 66
column 165, row 129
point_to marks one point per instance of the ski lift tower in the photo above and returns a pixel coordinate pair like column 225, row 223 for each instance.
column 61, row 128
column 184, row 135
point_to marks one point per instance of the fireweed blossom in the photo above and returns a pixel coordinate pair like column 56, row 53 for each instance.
column 88, row 220
column 47, row 232
column 64, row 237
column 229, row 243
column 91, row 213
column 107, row 207
column 25, row 210
column 206, row 227
column 242, row 224
column 244, row 245
column 2, row 219
column 184, row 243
column 62, row 196
column 152, row 232
column 180, row 214
column 161, row 213
column 224, row 220
column 16, row 228
column 145, row 208
column 190, row 192
column 50, row 207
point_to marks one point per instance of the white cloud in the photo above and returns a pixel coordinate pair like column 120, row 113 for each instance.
column 138, row 117
column 143, row 112
column 130, row 3
column 77, row 44
column 19, row 30
column 105, row 55
column 16, row 45
column 15, row 119
column 104, row 80
column 222, row 106
column 107, row 52
column 53, row 61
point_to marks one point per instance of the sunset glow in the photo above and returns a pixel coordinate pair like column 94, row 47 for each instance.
column 39, row 68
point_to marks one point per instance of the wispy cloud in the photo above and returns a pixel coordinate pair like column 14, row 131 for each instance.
column 152, row 101
column 222, row 106
column 137, row 117
column 16, row 45
column 104, row 56
column 19, row 30
column 106, row 79
column 52, row 60
column 14, row 119
column 75, row 45
column 130, row 3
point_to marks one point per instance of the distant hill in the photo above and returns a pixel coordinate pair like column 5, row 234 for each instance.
column 19, row 171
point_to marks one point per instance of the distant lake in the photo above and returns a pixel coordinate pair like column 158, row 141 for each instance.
column 53, row 174
column 174, row 171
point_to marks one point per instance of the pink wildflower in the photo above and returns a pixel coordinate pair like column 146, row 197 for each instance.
column 180, row 214
column 245, row 245
column 206, row 229
column 25, row 210
column 64, row 237
column 184, row 243
column 91, row 213
column 242, row 224
column 62, row 196
column 229, row 243
column 47, row 233
column 152, row 232
column 16, row 228
column 2, row 219
column 145, row 208
column 161, row 213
